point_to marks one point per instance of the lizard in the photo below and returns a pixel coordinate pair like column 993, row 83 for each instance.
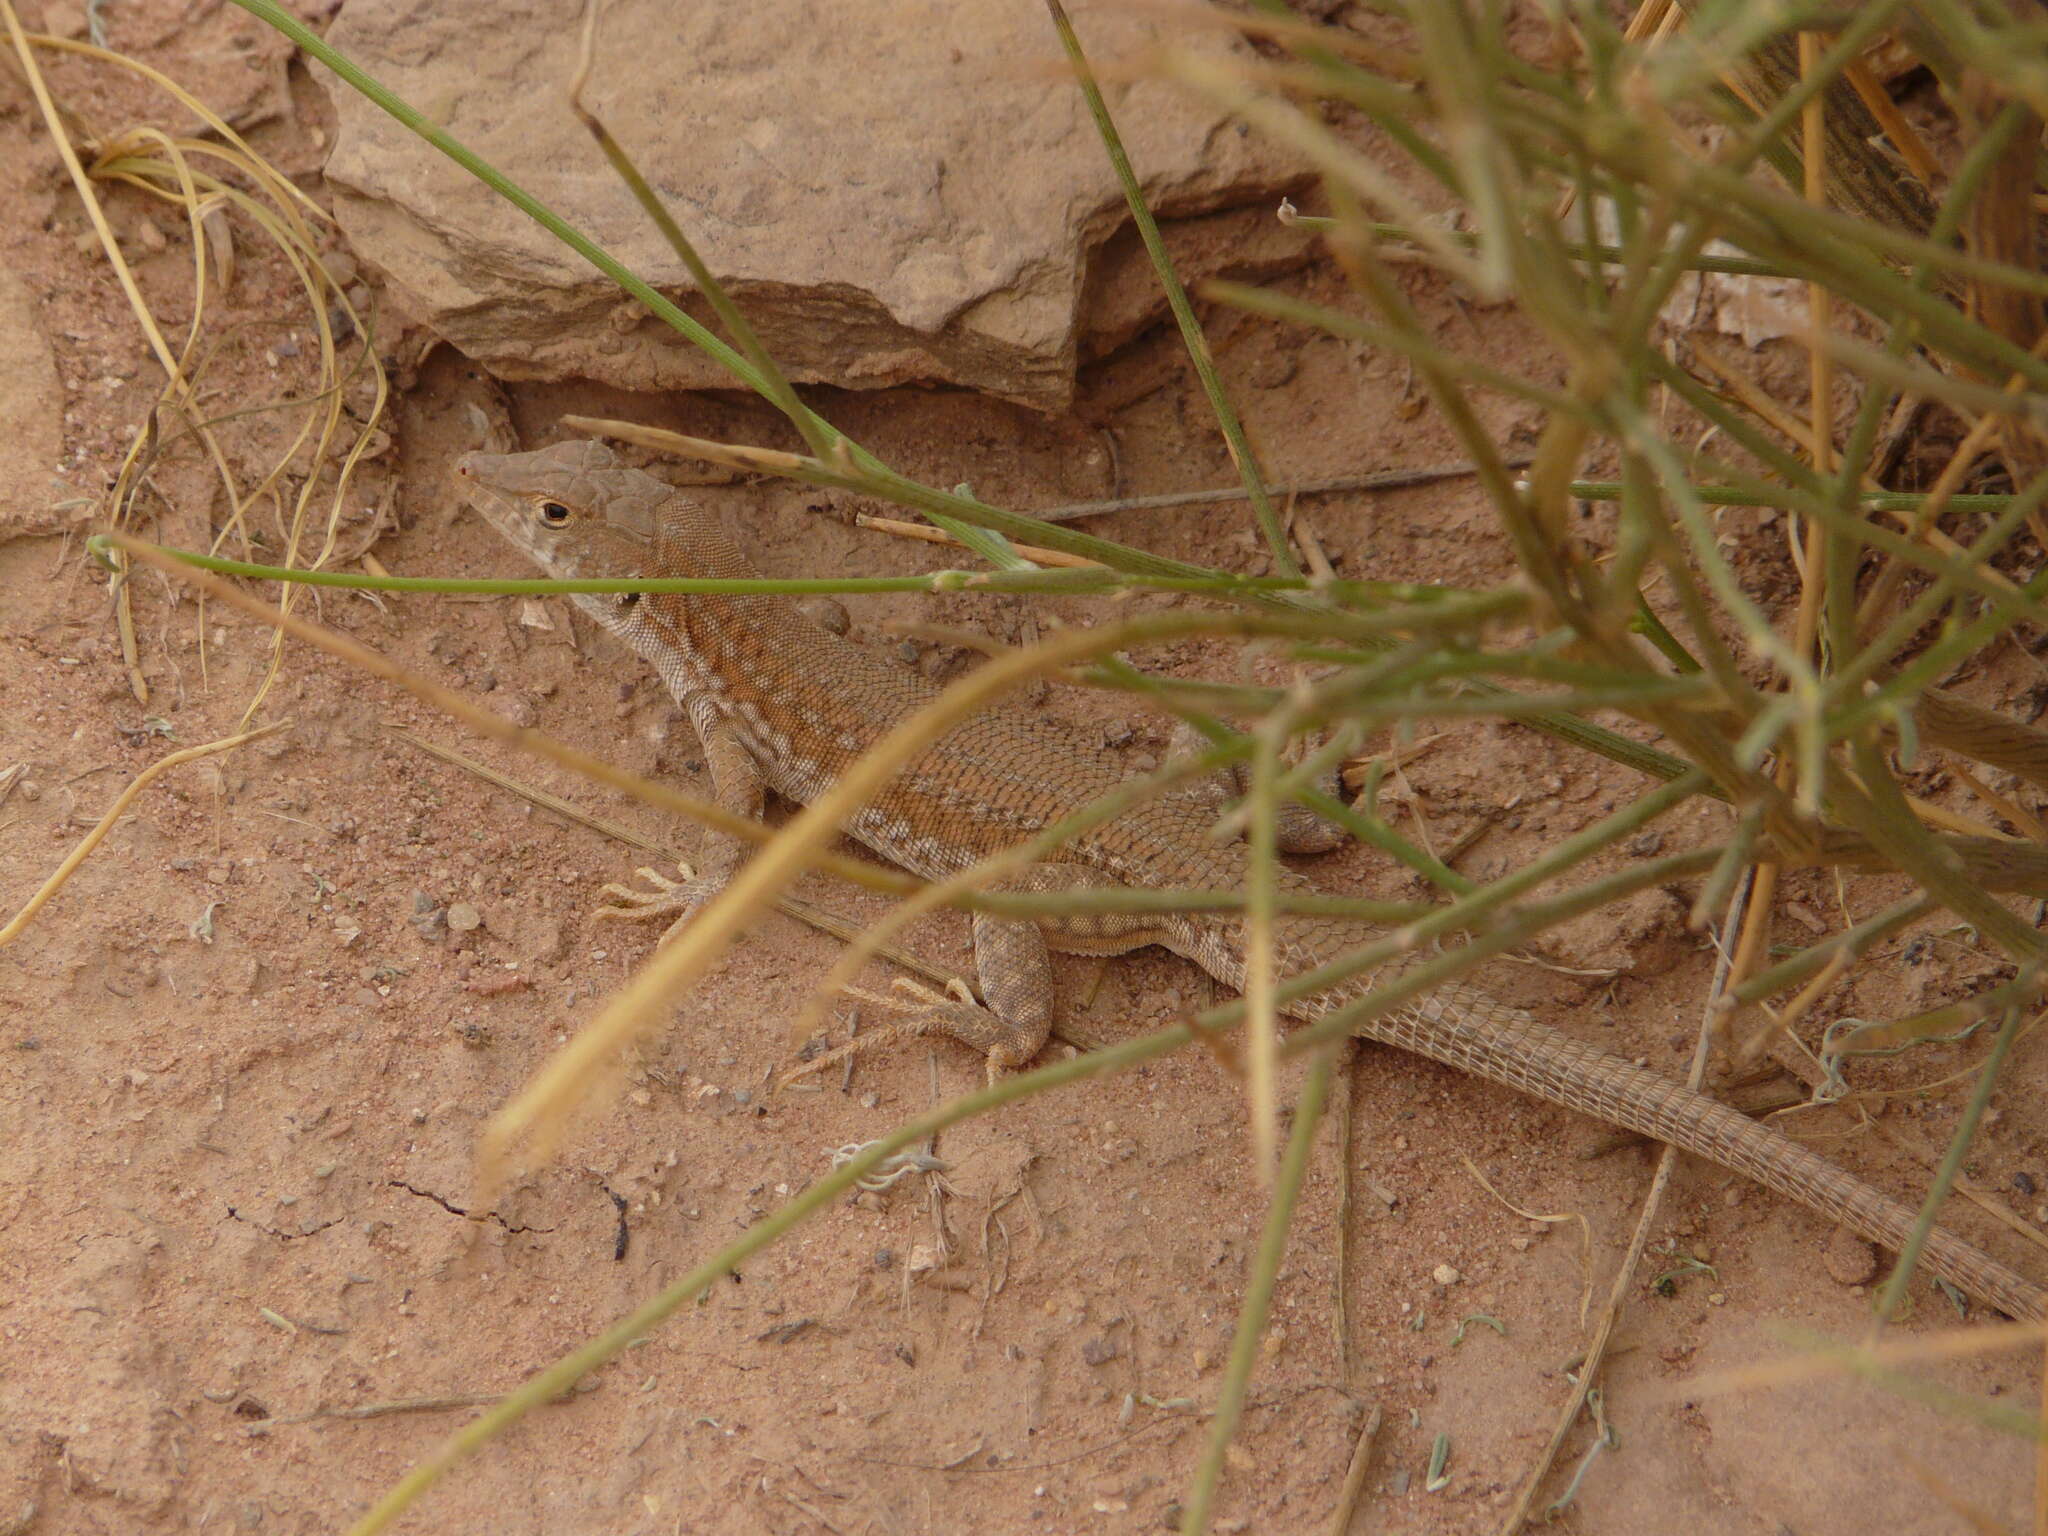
column 781, row 704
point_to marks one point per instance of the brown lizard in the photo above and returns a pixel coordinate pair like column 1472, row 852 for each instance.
column 782, row 704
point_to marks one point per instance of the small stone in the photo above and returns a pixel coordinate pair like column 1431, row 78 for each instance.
column 1716, row 1299
column 1444, row 1274
column 64, row 18
column 1274, row 369
column 463, row 918
column 1849, row 1259
column 427, row 918
column 2024, row 1182
column 1099, row 1351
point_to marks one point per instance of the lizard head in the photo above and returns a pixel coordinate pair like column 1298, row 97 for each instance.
column 576, row 512
column 573, row 508
column 579, row 514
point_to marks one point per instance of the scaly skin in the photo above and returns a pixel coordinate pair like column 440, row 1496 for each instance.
column 784, row 705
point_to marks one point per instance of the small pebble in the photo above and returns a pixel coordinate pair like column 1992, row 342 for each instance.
column 1444, row 1274
column 827, row 613
column 463, row 918
column 1273, row 370
column 1849, row 1259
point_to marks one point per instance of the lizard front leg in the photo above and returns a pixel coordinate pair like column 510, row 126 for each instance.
column 1011, row 958
column 737, row 786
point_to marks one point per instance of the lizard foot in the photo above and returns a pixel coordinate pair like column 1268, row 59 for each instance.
column 953, row 1012
column 676, row 900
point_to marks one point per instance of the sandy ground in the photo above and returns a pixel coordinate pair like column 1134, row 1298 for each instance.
column 250, row 1047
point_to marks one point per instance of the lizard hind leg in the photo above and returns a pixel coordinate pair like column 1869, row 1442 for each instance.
column 1011, row 958
column 1016, row 978
column 922, row 1011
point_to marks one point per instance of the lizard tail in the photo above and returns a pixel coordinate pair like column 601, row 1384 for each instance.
column 1464, row 1028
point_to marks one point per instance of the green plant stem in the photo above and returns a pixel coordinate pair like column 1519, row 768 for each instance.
column 1855, row 940
column 1258, row 1300
column 1901, row 1276
column 1071, row 581
column 1191, row 332
column 818, row 434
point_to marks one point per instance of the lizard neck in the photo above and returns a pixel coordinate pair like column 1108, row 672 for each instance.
column 803, row 701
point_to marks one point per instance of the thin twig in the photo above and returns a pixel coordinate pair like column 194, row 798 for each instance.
column 1340, row 1295
column 1336, row 485
column 930, row 535
column 1354, row 1474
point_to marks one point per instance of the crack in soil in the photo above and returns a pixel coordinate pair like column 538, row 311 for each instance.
column 278, row 1232
column 455, row 1210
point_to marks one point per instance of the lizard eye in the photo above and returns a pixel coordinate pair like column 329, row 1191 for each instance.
column 554, row 514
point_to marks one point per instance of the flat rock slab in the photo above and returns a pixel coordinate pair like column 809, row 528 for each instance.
column 894, row 194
